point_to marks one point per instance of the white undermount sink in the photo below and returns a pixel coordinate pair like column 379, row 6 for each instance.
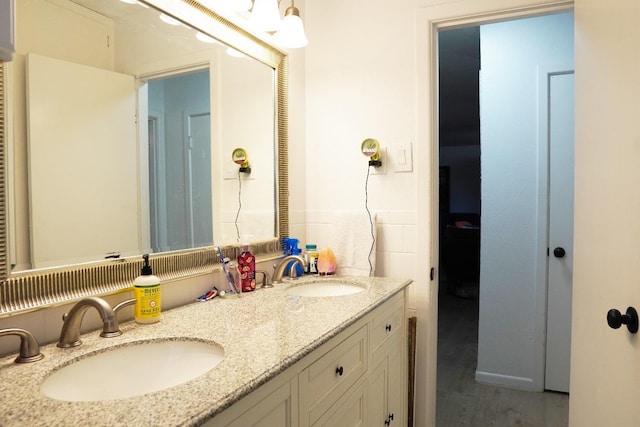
column 132, row 370
column 325, row 288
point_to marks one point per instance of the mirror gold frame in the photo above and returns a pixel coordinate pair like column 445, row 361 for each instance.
column 35, row 289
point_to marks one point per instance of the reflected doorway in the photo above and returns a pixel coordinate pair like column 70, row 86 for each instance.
column 180, row 191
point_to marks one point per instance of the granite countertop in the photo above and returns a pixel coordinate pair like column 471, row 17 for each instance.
column 262, row 333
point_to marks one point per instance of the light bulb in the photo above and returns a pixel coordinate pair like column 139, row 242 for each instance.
column 235, row 53
column 242, row 5
column 265, row 15
column 169, row 20
column 291, row 33
column 205, row 38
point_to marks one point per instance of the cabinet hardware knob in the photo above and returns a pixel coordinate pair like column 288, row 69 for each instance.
column 388, row 328
column 615, row 319
column 340, row 370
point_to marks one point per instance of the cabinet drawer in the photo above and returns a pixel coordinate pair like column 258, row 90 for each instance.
column 331, row 375
column 388, row 321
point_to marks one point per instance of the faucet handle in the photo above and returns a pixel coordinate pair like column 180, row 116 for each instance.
column 29, row 347
column 123, row 304
column 266, row 280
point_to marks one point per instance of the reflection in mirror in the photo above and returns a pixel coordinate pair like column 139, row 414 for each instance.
column 180, row 189
column 129, row 151
column 242, row 205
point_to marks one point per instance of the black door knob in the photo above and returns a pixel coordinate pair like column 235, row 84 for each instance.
column 615, row 319
column 339, row 371
column 559, row 252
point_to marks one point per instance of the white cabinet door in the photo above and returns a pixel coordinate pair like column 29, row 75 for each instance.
column 349, row 411
column 386, row 387
column 86, row 121
column 274, row 410
column 273, row 405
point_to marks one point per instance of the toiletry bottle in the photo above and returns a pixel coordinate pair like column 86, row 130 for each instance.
column 247, row 269
column 146, row 290
column 291, row 248
column 231, row 273
column 311, row 258
column 286, row 246
column 234, row 270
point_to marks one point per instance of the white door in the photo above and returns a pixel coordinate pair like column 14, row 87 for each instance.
column 560, row 266
column 199, row 155
column 86, row 119
column 605, row 363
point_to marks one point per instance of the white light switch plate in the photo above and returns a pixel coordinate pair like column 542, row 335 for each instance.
column 402, row 157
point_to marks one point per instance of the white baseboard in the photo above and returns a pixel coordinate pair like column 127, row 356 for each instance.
column 519, row 383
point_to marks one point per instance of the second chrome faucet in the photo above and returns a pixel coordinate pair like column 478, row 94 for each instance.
column 279, row 268
column 70, row 334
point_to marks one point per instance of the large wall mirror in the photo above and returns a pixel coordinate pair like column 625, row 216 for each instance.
column 118, row 123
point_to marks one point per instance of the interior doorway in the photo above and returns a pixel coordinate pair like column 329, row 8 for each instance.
column 462, row 196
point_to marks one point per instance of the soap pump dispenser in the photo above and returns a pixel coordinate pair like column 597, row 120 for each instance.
column 146, row 291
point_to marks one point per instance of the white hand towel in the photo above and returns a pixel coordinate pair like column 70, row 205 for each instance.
column 352, row 240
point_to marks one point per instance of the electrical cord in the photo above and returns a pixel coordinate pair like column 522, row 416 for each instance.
column 239, row 206
column 366, row 205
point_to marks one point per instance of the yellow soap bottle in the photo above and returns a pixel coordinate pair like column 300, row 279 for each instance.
column 146, row 291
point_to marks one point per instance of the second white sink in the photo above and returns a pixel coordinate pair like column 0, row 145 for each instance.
column 132, row 370
column 325, row 288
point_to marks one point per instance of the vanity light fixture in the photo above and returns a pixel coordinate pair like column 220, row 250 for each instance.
column 169, row 20
column 291, row 33
column 242, row 5
column 265, row 15
column 238, row 6
column 235, row 53
column 205, row 38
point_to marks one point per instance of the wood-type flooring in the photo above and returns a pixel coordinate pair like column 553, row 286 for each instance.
column 461, row 401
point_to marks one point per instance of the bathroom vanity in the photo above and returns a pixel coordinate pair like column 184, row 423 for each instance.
column 288, row 360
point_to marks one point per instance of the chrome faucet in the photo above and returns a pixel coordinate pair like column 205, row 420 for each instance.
column 29, row 347
column 70, row 334
column 279, row 268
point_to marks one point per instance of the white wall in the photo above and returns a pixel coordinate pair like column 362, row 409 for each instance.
column 354, row 91
column 360, row 82
column 510, row 255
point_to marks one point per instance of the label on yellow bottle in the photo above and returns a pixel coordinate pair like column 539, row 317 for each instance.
column 147, row 301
